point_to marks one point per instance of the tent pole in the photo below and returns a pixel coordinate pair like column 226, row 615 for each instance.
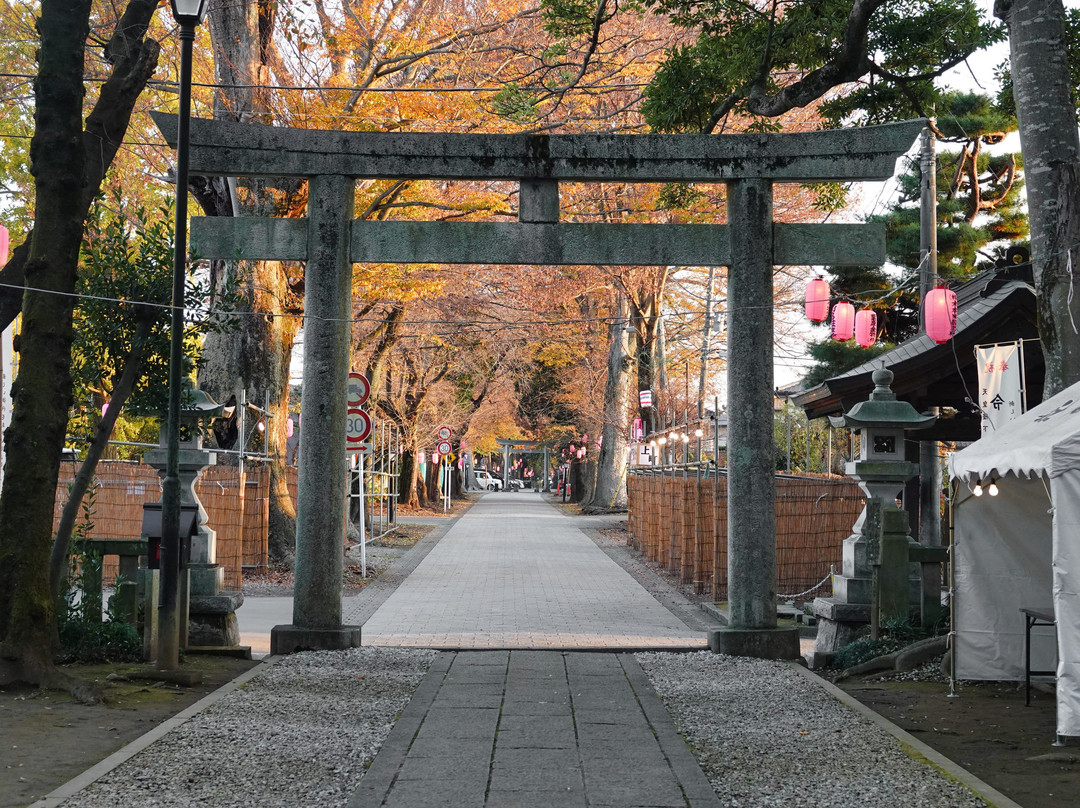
column 954, row 486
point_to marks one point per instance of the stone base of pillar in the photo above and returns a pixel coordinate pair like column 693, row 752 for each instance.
column 761, row 643
column 212, row 620
column 288, row 639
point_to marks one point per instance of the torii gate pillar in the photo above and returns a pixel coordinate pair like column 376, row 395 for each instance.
column 751, row 491
column 320, row 495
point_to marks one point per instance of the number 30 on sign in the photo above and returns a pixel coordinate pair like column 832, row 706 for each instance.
column 358, row 432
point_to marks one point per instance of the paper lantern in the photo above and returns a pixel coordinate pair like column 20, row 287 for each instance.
column 939, row 314
column 4, row 243
column 645, row 397
column 817, row 300
column 865, row 328
column 843, row 321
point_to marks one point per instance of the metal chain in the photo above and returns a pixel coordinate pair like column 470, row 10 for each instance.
column 824, row 580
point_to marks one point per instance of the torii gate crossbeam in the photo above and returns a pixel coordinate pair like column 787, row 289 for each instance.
column 329, row 240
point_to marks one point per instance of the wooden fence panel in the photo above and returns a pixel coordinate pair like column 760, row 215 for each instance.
column 219, row 492
column 241, row 522
column 119, row 491
column 257, row 518
column 681, row 523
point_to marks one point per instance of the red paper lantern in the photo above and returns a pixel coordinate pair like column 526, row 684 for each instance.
column 817, row 300
column 843, row 321
column 865, row 328
column 939, row 314
column 4, row 242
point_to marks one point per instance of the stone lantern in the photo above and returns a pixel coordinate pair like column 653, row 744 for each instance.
column 211, row 611
column 879, row 542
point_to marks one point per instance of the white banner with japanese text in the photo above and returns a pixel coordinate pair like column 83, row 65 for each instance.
column 1000, row 385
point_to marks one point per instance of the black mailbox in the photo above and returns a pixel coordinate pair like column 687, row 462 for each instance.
column 151, row 530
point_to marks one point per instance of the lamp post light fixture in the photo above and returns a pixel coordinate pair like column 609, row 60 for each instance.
column 188, row 14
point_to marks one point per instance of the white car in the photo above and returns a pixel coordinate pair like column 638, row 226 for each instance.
column 485, row 480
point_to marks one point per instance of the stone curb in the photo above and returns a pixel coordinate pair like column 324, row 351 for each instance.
column 125, row 753
column 695, row 785
column 982, row 789
column 380, row 776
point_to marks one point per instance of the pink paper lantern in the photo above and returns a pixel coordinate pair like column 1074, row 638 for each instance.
column 843, row 321
column 817, row 300
column 865, row 328
column 939, row 314
column 5, row 241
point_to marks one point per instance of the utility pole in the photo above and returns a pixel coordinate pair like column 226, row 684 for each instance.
column 930, row 464
column 927, row 219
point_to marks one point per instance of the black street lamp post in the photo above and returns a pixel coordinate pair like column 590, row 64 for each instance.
column 188, row 15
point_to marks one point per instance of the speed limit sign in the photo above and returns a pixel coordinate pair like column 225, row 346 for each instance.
column 357, row 432
column 444, row 447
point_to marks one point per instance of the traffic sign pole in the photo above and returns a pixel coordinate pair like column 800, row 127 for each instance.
column 363, row 522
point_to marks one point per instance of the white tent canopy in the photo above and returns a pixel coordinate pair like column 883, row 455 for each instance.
column 1021, row 549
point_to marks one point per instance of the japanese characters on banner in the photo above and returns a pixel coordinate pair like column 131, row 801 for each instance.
column 1000, row 386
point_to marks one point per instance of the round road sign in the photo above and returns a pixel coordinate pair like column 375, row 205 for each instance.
column 357, row 429
column 444, row 447
column 358, row 390
column 445, row 432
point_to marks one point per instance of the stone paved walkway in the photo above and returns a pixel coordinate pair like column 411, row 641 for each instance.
column 534, row 729
column 514, row 572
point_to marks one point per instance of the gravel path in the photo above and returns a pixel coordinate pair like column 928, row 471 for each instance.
column 767, row 736
column 304, row 730
column 301, row 733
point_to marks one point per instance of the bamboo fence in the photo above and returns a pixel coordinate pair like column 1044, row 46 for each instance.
column 678, row 519
column 241, row 520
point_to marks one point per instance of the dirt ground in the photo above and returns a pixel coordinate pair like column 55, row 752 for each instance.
column 46, row 738
column 986, row 729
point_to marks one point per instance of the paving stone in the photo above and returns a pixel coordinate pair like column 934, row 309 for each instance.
column 536, row 799
column 460, row 723
column 436, row 794
column 482, row 694
column 461, row 765
column 429, row 745
column 525, row 777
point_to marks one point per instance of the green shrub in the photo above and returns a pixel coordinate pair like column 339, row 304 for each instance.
column 92, row 642
column 894, row 635
column 84, row 636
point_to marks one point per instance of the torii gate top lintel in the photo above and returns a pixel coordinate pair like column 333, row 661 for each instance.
column 233, row 149
column 539, row 163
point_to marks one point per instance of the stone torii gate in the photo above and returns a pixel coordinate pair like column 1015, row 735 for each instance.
column 513, row 447
column 329, row 240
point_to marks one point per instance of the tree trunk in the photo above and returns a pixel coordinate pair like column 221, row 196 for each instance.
column 256, row 356
column 134, row 59
column 434, row 484
column 125, row 383
column 413, row 493
column 1051, row 147
column 610, row 490
column 42, row 392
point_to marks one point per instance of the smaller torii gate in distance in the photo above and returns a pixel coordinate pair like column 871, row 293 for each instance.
column 751, row 244
column 513, row 447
